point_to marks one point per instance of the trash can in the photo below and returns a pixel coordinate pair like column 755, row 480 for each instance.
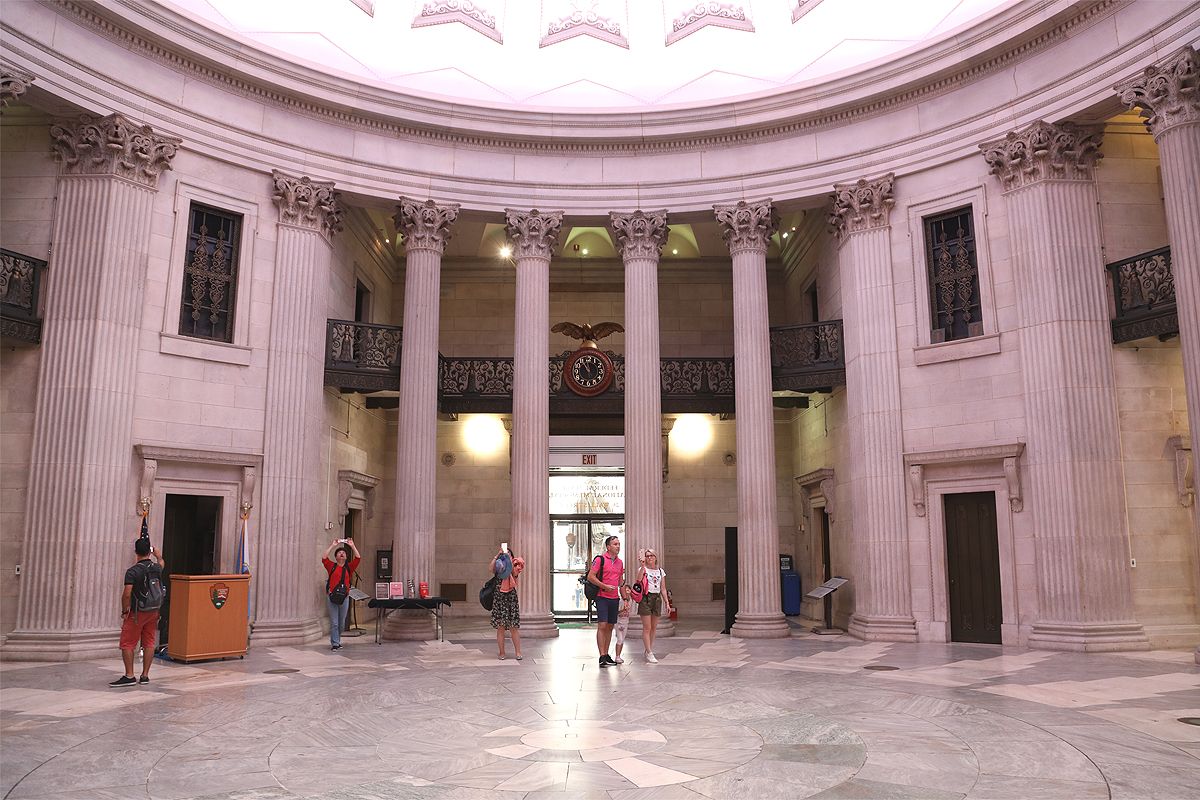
column 789, row 584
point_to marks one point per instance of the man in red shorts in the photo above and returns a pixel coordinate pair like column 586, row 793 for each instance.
column 140, row 603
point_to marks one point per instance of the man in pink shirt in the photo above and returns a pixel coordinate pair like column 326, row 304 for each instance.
column 606, row 572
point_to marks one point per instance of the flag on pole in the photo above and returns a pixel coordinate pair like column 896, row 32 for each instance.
column 145, row 534
column 243, row 566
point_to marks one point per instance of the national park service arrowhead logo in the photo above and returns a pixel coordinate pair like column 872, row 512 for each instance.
column 219, row 594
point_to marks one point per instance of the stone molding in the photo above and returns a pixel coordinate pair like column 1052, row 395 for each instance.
column 702, row 14
column 473, row 15
column 535, row 233
column 1185, row 469
column 802, row 8
column 818, row 482
column 640, row 234
column 13, row 84
column 351, row 481
column 425, row 226
column 306, row 203
column 1044, row 151
column 1009, row 456
column 584, row 21
column 113, row 146
column 863, row 205
column 748, row 226
column 1167, row 94
column 151, row 454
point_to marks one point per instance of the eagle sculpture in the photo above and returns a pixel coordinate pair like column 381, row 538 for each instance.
column 588, row 334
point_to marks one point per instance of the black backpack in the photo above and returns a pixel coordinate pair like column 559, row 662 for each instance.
column 487, row 595
column 590, row 590
column 149, row 591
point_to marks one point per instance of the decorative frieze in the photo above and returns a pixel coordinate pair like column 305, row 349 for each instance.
column 748, row 226
column 802, row 7
column 640, row 234
column 306, row 203
column 713, row 12
column 425, row 226
column 1044, row 151
column 1167, row 94
column 471, row 14
column 113, row 145
column 585, row 20
column 534, row 233
column 13, row 84
column 863, row 205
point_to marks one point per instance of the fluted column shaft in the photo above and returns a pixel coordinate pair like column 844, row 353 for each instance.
column 747, row 230
column 640, row 236
column 425, row 228
column 882, row 593
column 534, row 235
column 1075, row 488
column 309, row 214
column 82, row 512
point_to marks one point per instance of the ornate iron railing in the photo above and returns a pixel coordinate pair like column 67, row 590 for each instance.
column 20, row 289
column 362, row 357
column 1144, row 295
column 808, row 357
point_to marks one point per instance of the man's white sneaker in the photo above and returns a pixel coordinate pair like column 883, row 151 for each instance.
column 651, row 659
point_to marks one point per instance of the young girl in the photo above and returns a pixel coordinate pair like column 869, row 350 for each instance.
column 654, row 602
column 506, row 609
column 623, row 620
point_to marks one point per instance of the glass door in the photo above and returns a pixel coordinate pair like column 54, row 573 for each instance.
column 575, row 540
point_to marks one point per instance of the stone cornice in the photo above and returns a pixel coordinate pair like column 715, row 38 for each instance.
column 13, row 83
column 425, row 226
column 113, row 146
column 1044, row 151
column 535, row 233
column 306, row 203
column 861, row 206
column 640, row 234
column 748, row 226
column 931, row 72
column 473, row 15
column 1168, row 93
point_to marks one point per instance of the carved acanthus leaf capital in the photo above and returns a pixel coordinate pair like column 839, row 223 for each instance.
column 1168, row 94
column 863, row 205
column 641, row 234
column 534, row 234
column 748, row 226
column 306, row 203
column 13, row 83
column 1045, row 151
column 425, row 226
column 112, row 145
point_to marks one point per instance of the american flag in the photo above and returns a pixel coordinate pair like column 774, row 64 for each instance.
column 243, row 566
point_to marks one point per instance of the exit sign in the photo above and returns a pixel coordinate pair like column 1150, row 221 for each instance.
column 589, row 459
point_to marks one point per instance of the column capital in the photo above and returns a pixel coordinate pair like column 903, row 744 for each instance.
column 863, row 205
column 747, row 226
column 306, row 203
column 13, row 83
column 425, row 226
column 1044, row 151
column 112, row 145
column 1168, row 94
column 535, row 233
column 640, row 234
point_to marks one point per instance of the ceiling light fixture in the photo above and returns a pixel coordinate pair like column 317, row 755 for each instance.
column 674, row 251
column 785, row 234
column 584, row 251
column 505, row 251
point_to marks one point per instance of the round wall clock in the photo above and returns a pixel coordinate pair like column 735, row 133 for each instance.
column 588, row 372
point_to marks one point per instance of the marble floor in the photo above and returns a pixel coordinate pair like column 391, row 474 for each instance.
column 806, row 717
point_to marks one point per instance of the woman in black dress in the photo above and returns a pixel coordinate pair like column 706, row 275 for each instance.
column 506, row 608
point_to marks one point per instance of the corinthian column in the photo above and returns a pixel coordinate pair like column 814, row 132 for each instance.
column 1076, row 490
column 878, row 525
column 1168, row 95
column 534, row 235
column 309, row 215
column 426, row 229
column 81, row 517
column 747, row 228
column 640, row 237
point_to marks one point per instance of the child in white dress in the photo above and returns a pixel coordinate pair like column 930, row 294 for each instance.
column 622, row 625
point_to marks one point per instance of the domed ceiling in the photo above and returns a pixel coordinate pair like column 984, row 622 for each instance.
column 580, row 55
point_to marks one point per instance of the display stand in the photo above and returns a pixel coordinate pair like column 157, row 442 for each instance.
column 208, row 617
column 355, row 595
column 824, row 593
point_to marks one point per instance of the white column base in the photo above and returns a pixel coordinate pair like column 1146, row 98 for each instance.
column 883, row 629
column 539, row 627
column 60, row 645
column 761, row 626
column 286, row 632
column 1103, row 637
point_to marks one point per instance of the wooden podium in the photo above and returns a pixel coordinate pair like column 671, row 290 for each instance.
column 208, row 616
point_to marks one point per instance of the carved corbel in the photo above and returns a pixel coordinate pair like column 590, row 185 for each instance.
column 345, row 489
column 146, row 488
column 668, row 424
column 1012, row 477
column 916, row 485
column 1185, row 479
column 828, row 492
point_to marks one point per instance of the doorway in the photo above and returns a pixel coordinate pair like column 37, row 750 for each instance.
column 973, row 567
column 191, row 525
column 576, row 539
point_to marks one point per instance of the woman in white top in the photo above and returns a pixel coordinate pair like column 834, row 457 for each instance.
column 654, row 601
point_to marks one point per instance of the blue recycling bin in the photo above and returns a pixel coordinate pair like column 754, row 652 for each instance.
column 789, row 585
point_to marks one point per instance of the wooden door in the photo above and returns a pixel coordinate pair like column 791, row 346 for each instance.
column 973, row 567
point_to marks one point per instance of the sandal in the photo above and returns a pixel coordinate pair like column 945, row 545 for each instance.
column 502, row 656
column 518, row 658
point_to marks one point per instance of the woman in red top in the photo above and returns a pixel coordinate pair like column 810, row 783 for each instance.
column 340, row 572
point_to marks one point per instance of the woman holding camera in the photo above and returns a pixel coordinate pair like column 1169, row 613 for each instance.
column 339, row 572
column 506, row 608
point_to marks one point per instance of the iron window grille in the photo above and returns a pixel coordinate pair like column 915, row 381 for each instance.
column 954, row 300
column 210, row 274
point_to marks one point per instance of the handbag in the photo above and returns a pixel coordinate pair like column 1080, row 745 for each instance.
column 487, row 595
column 590, row 590
column 337, row 595
column 637, row 591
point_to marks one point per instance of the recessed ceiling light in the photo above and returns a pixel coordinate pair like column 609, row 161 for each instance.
column 584, row 251
column 505, row 251
column 785, row 234
column 793, row 227
column 388, row 240
column 674, row 251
